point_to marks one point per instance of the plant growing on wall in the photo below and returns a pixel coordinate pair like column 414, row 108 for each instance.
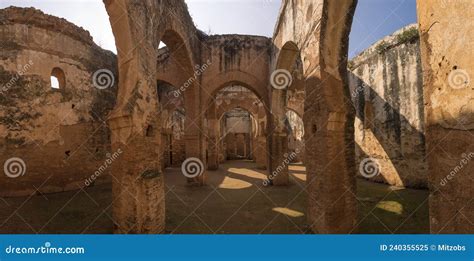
column 408, row 35
column 382, row 47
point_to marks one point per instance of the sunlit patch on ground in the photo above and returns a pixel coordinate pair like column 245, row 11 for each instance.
column 391, row 206
column 288, row 212
column 233, row 201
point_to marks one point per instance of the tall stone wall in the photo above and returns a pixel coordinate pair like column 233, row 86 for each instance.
column 59, row 134
column 387, row 91
column 447, row 49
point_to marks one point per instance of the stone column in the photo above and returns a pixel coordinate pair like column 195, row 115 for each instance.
column 279, row 159
column 137, row 180
column 278, row 164
column 261, row 152
column 213, row 144
column 261, row 149
column 194, row 131
column 213, row 138
column 193, row 150
column 447, row 51
column 138, row 187
column 329, row 145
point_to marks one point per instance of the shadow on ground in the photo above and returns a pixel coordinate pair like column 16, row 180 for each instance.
column 234, row 201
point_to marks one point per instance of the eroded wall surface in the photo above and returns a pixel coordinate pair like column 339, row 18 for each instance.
column 447, row 49
column 60, row 134
column 318, row 32
column 387, row 91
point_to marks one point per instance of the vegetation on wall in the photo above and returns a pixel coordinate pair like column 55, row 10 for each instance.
column 382, row 47
column 408, row 35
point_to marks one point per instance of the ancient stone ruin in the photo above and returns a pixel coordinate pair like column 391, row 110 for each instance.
column 386, row 85
column 205, row 121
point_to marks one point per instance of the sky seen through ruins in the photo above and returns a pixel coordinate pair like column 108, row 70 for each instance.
column 373, row 19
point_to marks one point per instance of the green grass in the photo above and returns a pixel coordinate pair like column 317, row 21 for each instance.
column 385, row 209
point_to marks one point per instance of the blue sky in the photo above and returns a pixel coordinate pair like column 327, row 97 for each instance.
column 373, row 20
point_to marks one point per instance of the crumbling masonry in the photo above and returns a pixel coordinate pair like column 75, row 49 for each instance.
column 165, row 105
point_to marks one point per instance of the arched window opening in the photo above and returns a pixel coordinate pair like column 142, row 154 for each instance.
column 58, row 79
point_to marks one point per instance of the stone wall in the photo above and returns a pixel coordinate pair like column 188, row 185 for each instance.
column 172, row 115
column 387, row 91
column 447, row 50
column 238, row 131
column 60, row 134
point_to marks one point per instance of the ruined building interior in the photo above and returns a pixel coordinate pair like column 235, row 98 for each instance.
column 187, row 132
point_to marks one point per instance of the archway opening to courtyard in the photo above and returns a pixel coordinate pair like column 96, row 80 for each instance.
column 230, row 132
column 330, row 146
column 172, row 115
column 237, row 175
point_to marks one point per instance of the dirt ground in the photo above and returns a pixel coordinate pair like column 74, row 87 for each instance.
column 234, row 202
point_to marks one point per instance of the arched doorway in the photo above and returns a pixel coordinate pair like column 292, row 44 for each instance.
column 328, row 116
column 227, row 98
column 138, row 189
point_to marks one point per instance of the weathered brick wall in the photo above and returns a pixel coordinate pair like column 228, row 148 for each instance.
column 178, row 152
column 60, row 135
column 238, row 146
column 387, row 91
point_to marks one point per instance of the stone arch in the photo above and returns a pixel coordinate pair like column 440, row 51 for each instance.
column 233, row 105
column 244, row 79
column 179, row 49
column 287, row 55
column 180, row 59
column 173, row 143
column 138, row 185
column 180, row 66
column 254, row 112
column 320, row 33
column 435, row 23
column 214, row 112
column 320, row 30
column 183, row 43
column 282, row 66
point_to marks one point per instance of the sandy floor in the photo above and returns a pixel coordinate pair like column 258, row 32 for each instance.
column 234, row 201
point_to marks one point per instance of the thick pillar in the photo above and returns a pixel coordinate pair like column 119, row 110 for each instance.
column 213, row 138
column 213, row 145
column 137, row 181
column 330, row 165
column 138, row 187
column 261, row 152
column 194, row 127
column 279, row 161
column 447, row 51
